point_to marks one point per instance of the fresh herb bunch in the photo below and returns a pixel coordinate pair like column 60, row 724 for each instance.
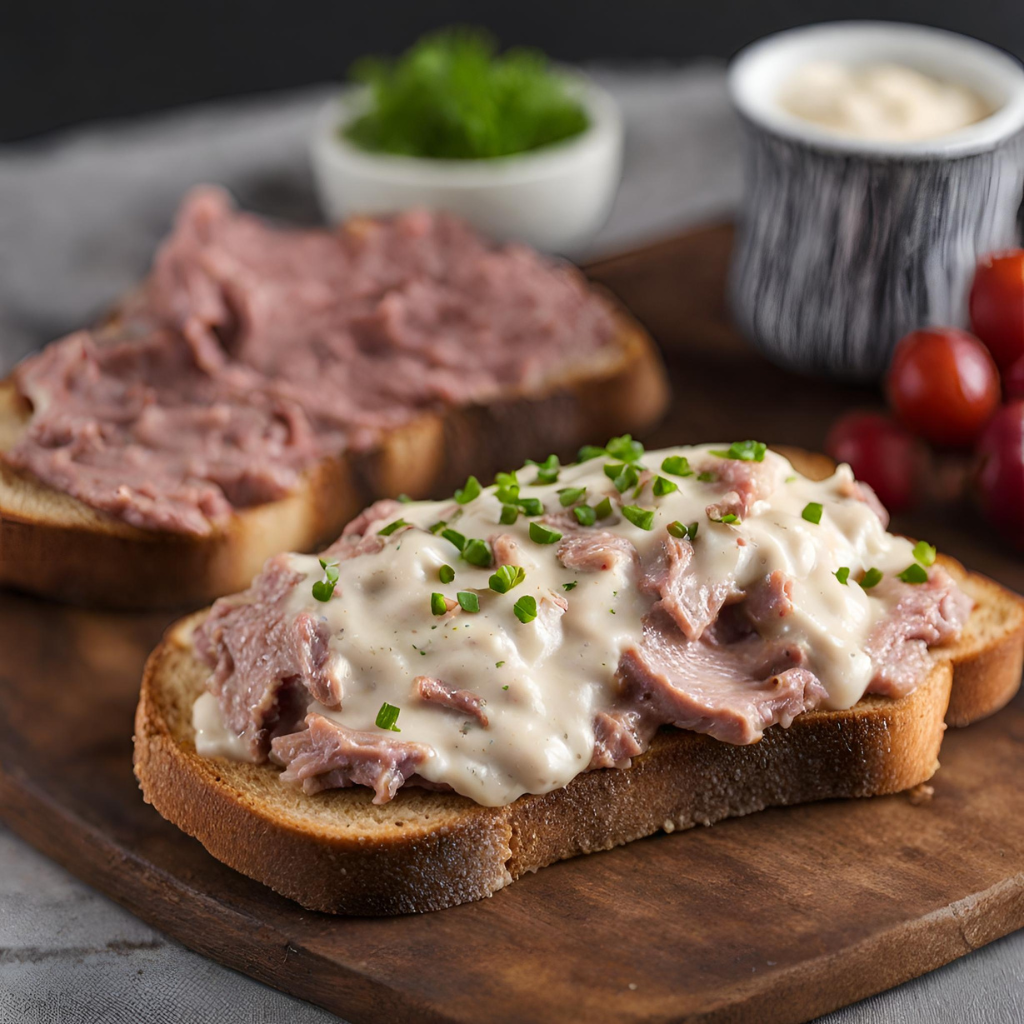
column 452, row 96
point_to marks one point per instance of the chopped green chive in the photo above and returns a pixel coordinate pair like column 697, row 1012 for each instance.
column 526, row 608
column 925, row 553
column 603, row 509
column 531, row 506
column 477, row 552
column 542, row 535
column 707, row 477
column 570, row 495
column 914, row 573
column 812, row 512
column 454, row 537
column 624, row 448
column 569, row 586
column 468, row 601
column 642, row 517
column 509, row 514
column 507, row 489
column 663, row 487
column 678, row 530
column 871, row 578
column 506, row 577
column 438, row 605
column 842, row 574
column 438, row 526
column 446, row 574
column 471, row 490
column 588, row 452
column 676, row 465
column 730, row 519
column 744, row 451
column 547, row 471
column 585, row 515
column 498, row 664
column 391, row 527
column 623, row 475
column 387, row 717
column 505, row 687
column 323, row 589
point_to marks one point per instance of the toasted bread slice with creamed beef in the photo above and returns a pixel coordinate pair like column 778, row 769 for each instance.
column 54, row 545
column 340, row 853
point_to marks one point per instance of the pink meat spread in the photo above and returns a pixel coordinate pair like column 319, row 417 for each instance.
column 727, row 629
column 253, row 352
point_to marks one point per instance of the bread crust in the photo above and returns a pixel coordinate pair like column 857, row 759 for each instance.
column 337, row 852
column 54, row 546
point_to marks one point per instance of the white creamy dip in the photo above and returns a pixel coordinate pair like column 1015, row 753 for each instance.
column 543, row 681
column 879, row 101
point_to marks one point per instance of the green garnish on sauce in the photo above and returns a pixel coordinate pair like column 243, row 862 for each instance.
column 812, row 511
column 391, row 527
column 452, row 96
column 570, row 495
column 623, row 475
column 525, row 608
column 467, row 493
column 446, row 574
column 744, row 451
column 569, row 586
column 676, row 465
column 438, row 605
column 642, row 517
column 603, row 508
column 590, row 451
column 663, row 487
column 871, row 578
column 478, row 552
column 531, row 506
column 506, row 577
column 468, row 601
column 730, row 519
column 454, row 537
column 707, row 477
column 624, row 448
column 678, row 530
column 509, row 514
column 842, row 574
column 387, row 717
column 507, row 489
column 542, row 535
column 547, row 471
column 585, row 515
column 925, row 553
column 914, row 573
column 323, row 589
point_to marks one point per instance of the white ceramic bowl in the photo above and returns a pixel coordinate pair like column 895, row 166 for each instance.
column 553, row 198
column 845, row 244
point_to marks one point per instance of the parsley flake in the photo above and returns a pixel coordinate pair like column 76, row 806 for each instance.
column 663, row 487
column 506, row 577
column 468, row 601
column 642, row 517
column 871, row 578
column 744, row 451
column 569, row 586
column 914, row 573
column 446, row 574
column 676, row 465
column 542, row 535
column 842, row 574
column 438, row 604
column 525, row 608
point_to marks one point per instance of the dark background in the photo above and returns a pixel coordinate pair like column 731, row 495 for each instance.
column 65, row 62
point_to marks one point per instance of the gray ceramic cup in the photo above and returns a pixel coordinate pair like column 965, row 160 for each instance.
column 846, row 244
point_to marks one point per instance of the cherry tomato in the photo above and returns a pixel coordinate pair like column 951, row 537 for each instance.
column 881, row 453
column 999, row 472
column 997, row 305
column 943, row 385
column 1013, row 380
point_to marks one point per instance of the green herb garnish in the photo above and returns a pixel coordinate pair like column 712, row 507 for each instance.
column 707, row 477
column 871, row 578
column 506, row 577
column 925, row 553
column 914, row 573
column 676, row 465
column 509, row 514
column 438, row 526
column 454, row 537
column 498, row 664
column 507, row 489
column 526, row 608
column 452, row 96
column 624, row 448
column 570, row 495
column 323, row 589
column 468, row 601
column 590, row 451
column 623, row 475
column 642, row 517
column 585, row 515
column 678, row 530
column 446, row 574
column 603, row 508
column 478, row 552
column 569, row 586
column 812, row 512
column 663, row 487
column 438, row 604
column 744, row 451
column 842, row 574
column 391, row 527
column 547, row 471
column 542, row 535
column 730, row 519
column 467, row 493
column 405, row 499
column 387, row 717
column 531, row 506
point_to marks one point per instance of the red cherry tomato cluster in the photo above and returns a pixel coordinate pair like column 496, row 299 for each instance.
column 944, row 387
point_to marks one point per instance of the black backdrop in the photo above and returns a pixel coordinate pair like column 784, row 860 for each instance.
column 64, row 62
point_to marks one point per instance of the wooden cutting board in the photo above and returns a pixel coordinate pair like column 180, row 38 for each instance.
column 777, row 917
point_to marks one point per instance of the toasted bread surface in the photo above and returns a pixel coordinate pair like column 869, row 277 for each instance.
column 55, row 546
column 340, row 853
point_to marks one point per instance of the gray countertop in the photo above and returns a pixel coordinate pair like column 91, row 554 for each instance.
column 80, row 215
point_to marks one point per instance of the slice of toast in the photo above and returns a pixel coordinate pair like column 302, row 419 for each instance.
column 53, row 545
column 340, row 853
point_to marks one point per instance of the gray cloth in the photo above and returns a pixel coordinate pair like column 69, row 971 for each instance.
column 79, row 218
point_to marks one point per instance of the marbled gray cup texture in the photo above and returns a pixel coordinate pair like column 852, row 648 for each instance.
column 838, row 255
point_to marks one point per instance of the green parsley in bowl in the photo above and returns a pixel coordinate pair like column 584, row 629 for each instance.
column 523, row 149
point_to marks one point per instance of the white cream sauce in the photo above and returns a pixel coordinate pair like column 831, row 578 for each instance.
column 544, row 681
column 880, row 101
